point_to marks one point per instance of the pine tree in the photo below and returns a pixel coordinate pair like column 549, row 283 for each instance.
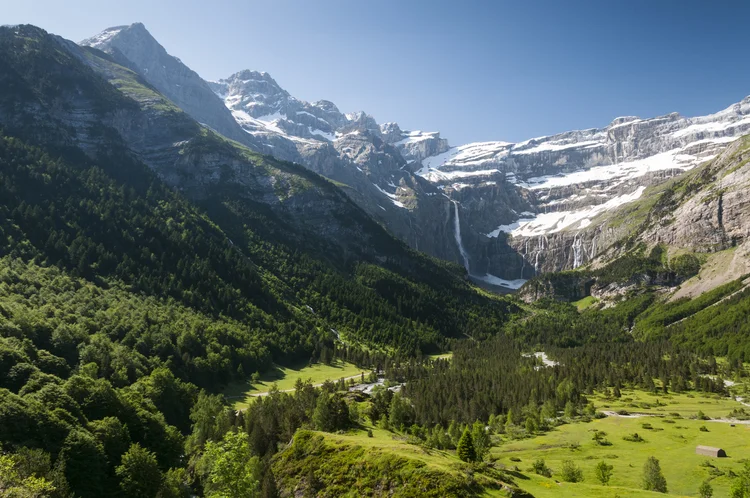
column 509, row 421
column 465, row 450
column 481, row 439
column 268, row 489
column 653, row 479
column 322, row 417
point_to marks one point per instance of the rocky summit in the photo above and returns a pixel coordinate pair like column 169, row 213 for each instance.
column 505, row 211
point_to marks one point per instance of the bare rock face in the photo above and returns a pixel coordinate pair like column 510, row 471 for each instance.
column 134, row 47
column 575, row 178
column 715, row 213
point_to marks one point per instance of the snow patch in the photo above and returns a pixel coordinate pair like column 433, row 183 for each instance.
column 501, row 282
column 545, row 223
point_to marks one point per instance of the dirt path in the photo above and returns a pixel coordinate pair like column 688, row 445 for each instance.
column 653, row 415
column 711, row 305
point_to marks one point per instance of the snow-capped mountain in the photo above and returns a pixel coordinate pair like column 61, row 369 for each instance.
column 573, row 177
column 505, row 211
column 599, row 161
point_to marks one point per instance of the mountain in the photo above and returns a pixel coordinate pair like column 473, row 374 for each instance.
column 283, row 222
column 147, row 261
column 505, row 211
column 573, row 177
column 371, row 162
column 151, row 266
column 686, row 236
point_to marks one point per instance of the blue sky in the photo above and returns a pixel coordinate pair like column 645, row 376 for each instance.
column 474, row 70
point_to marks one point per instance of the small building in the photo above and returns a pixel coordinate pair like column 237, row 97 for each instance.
column 710, row 451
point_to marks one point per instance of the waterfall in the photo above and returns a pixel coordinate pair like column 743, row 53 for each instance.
column 578, row 251
column 540, row 247
column 523, row 257
column 457, row 234
column 593, row 247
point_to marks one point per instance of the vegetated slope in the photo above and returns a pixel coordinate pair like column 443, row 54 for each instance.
column 264, row 235
column 344, row 468
column 143, row 256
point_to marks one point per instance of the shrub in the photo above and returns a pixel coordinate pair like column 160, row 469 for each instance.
column 634, row 438
column 540, row 467
column 653, row 479
column 705, row 490
column 571, row 472
column 703, row 428
column 604, row 472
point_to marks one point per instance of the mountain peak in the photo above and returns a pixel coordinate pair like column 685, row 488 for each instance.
column 103, row 40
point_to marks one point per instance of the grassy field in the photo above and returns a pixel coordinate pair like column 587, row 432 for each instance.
column 383, row 440
column 242, row 393
column 713, row 406
column 585, row 303
column 444, row 356
column 670, row 439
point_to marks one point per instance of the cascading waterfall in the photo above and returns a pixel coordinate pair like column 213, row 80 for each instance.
column 540, row 247
column 523, row 257
column 593, row 248
column 578, row 250
column 457, row 234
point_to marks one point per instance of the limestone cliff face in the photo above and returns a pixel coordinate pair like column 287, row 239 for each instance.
column 706, row 210
column 134, row 47
column 573, row 180
column 713, row 211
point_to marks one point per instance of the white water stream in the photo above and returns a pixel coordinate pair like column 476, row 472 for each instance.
column 457, row 234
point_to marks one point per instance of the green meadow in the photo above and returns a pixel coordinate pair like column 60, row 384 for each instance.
column 240, row 394
column 668, row 428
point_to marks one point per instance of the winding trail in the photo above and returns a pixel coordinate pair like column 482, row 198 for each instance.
column 652, row 415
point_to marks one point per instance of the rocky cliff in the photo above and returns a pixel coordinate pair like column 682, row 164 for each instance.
column 522, row 208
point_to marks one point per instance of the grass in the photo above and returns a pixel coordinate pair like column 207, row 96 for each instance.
column 354, row 465
column 240, row 394
column 686, row 404
column 672, row 443
column 670, row 439
column 386, row 441
column 585, row 303
column 444, row 356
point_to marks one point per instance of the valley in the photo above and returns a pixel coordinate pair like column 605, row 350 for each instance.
column 215, row 289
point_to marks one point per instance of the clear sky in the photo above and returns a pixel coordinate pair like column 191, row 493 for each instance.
column 474, row 70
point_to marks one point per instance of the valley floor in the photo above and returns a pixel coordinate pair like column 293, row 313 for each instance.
column 240, row 394
column 668, row 425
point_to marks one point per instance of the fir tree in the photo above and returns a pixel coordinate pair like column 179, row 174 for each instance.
column 653, row 479
column 465, row 449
